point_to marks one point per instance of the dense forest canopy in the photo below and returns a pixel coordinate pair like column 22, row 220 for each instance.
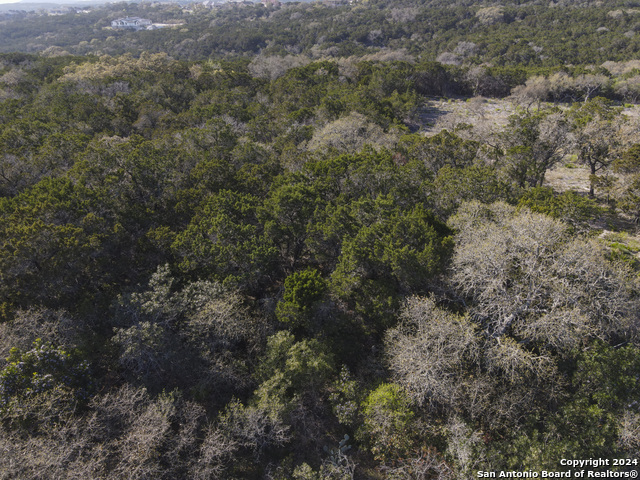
column 257, row 244
column 531, row 34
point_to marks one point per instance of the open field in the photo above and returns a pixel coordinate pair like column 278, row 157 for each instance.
column 483, row 117
column 479, row 112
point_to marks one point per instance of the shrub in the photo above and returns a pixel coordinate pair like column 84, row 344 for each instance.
column 302, row 291
column 41, row 369
column 388, row 422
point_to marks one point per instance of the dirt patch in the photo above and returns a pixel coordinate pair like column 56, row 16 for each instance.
column 491, row 115
column 481, row 113
column 562, row 179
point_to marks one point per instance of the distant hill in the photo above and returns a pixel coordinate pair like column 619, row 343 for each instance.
column 35, row 6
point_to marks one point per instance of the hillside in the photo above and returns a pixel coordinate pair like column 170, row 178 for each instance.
column 308, row 241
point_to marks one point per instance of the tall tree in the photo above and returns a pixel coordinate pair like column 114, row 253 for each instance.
column 596, row 125
column 533, row 142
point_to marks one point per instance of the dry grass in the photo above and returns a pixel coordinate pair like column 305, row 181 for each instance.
column 479, row 112
column 563, row 178
column 485, row 114
column 486, row 117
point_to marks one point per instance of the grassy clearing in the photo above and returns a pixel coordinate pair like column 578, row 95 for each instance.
column 479, row 112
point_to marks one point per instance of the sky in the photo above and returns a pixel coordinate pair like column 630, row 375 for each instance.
column 9, row 1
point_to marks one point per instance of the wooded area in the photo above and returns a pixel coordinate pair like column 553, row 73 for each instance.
column 241, row 248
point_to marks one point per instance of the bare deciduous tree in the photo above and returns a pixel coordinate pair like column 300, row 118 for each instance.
column 446, row 363
column 123, row 434
column 495, row 247
column 216, row 453
column 629, row 437
column 52, row 326
column 431, row 352
column 426, row 464
column 275, row 67
column 465, row 447
column 525, row 276
column 350, row 134
column 253, row 427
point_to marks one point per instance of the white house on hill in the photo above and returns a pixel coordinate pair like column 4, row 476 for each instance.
column 131, row 22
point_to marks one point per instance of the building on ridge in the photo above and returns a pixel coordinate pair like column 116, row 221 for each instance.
column 135, row 23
